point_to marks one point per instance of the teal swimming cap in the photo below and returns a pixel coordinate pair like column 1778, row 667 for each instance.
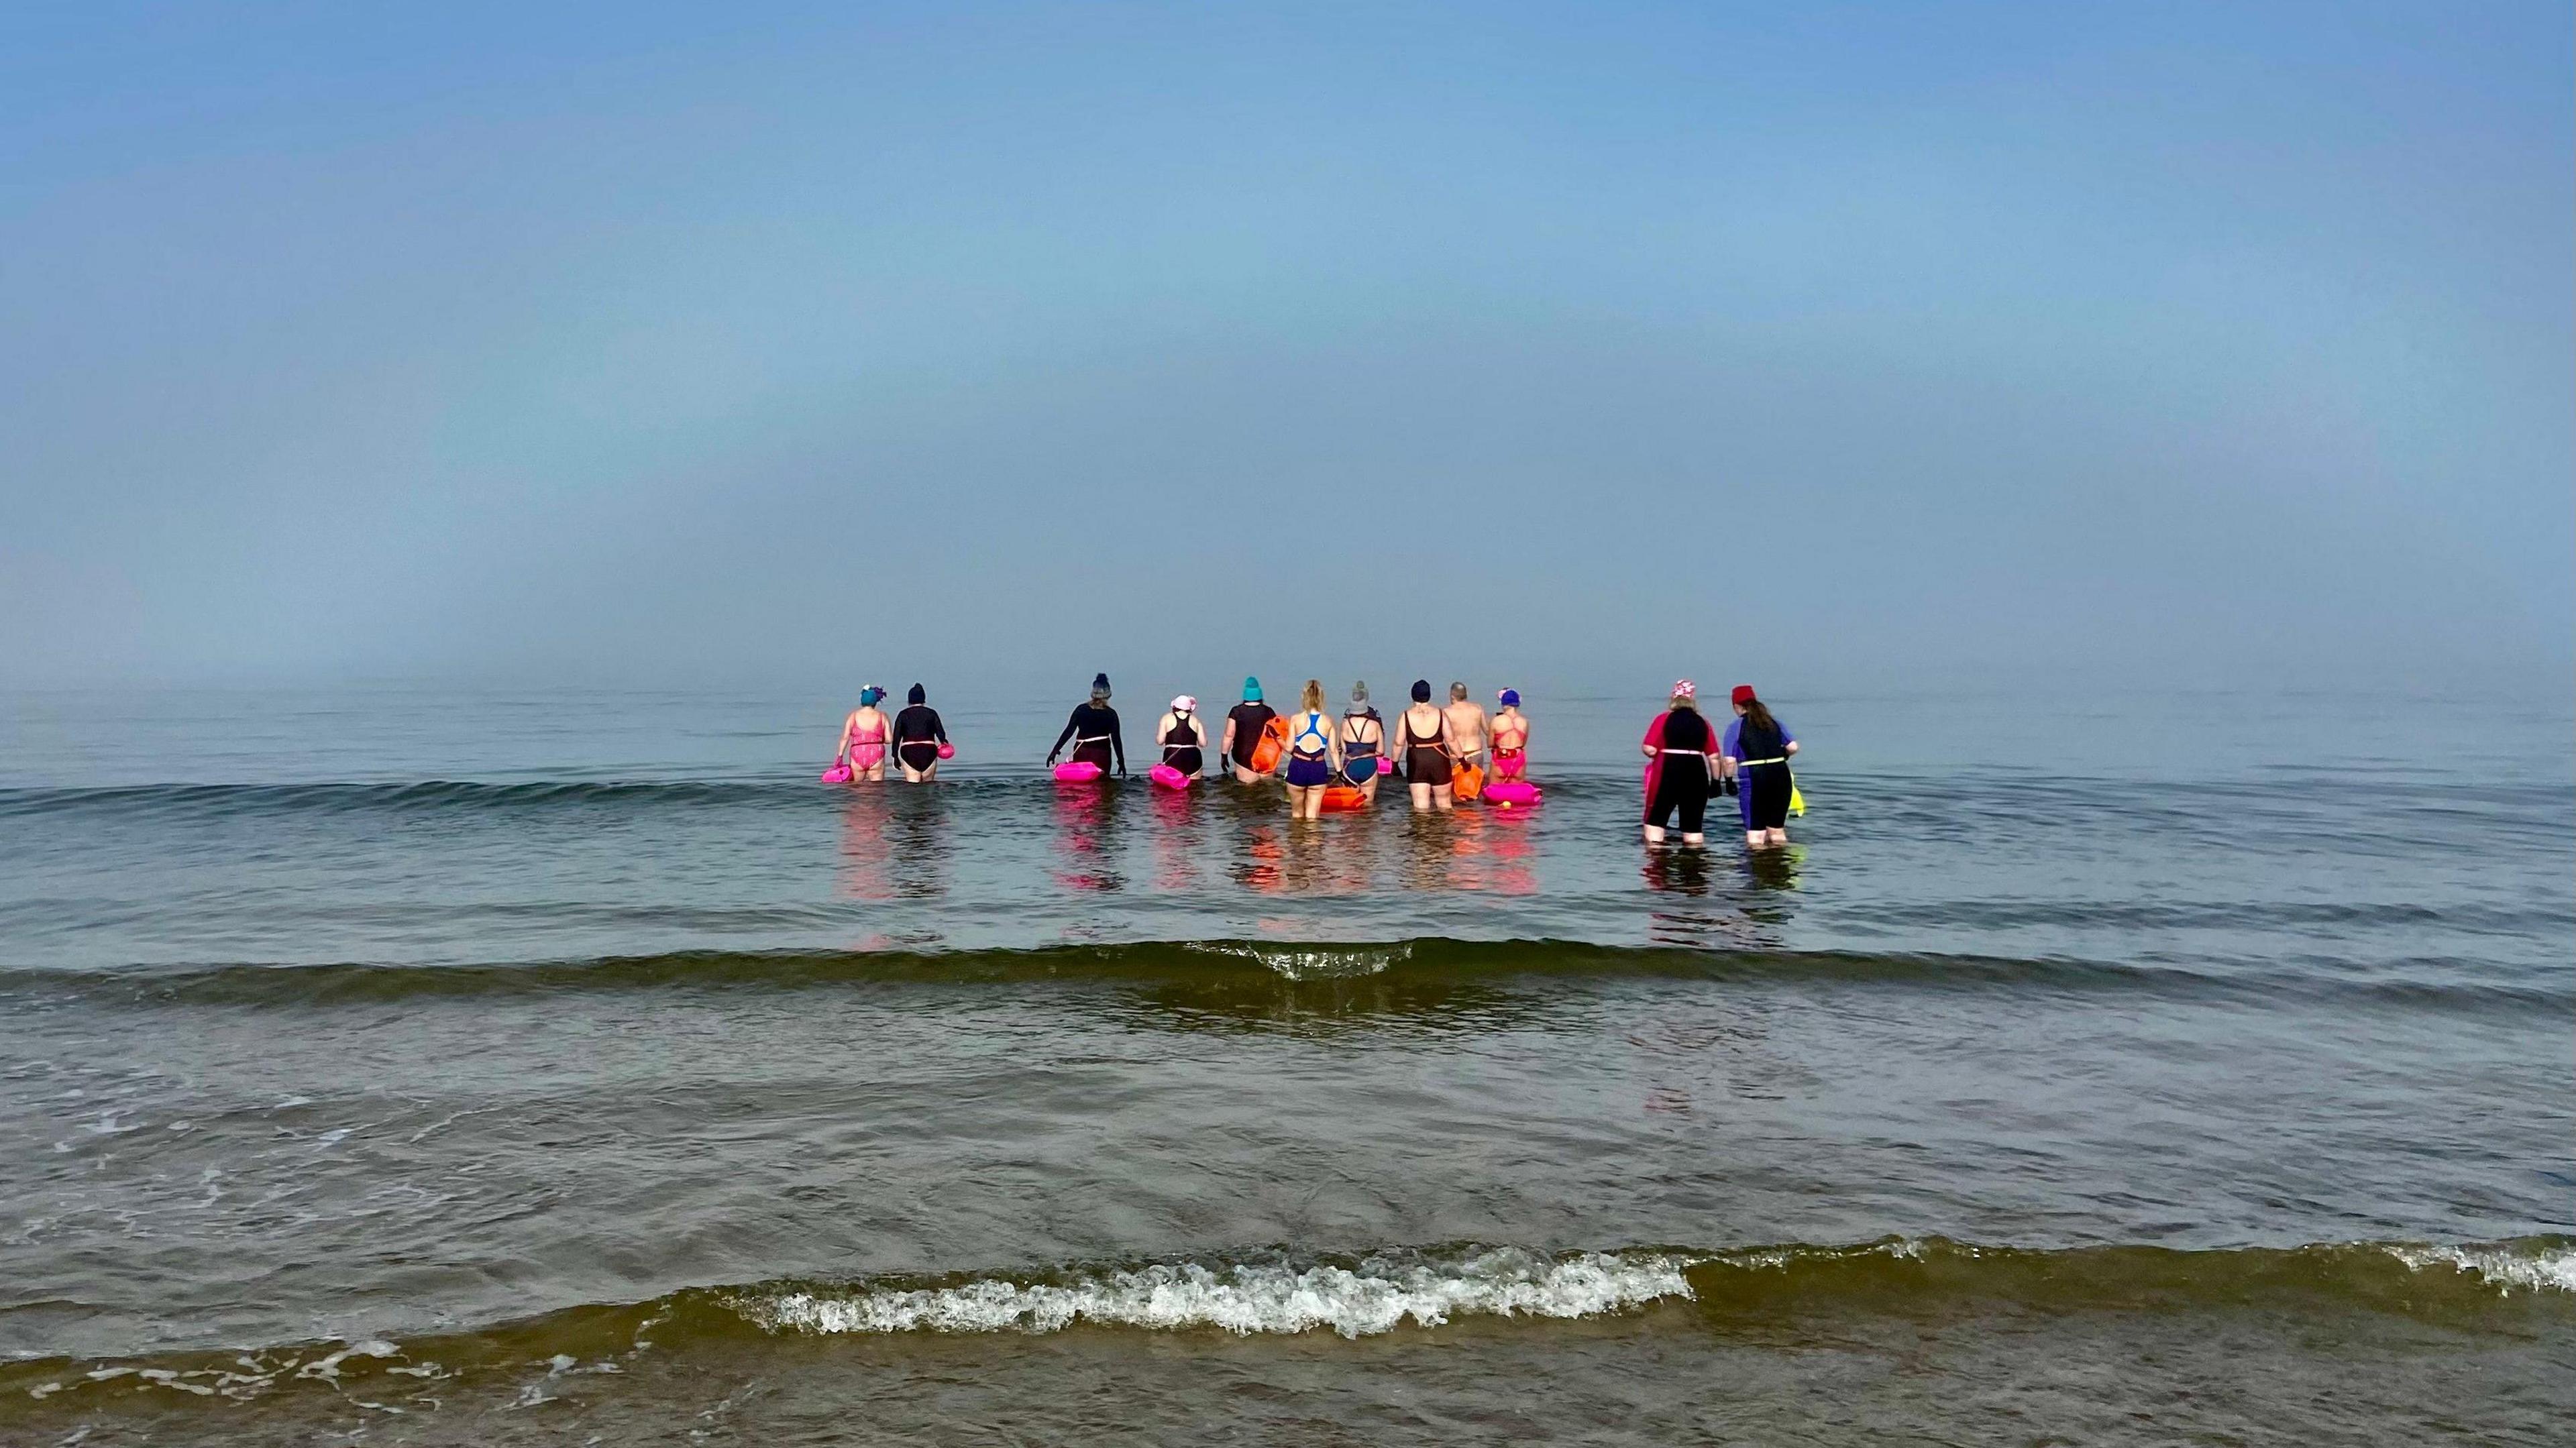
column 1251, row 688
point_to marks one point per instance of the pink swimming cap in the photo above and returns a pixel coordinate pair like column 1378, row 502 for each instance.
column 1685, row 689
column 1185, row 705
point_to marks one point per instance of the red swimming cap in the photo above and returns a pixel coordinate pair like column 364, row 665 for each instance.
column 1742, row 696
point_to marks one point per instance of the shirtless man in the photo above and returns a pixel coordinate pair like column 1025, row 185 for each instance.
column 1467, row 727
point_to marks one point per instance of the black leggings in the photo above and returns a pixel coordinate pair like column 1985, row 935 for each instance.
column 1683, row 785
column 1766, row 796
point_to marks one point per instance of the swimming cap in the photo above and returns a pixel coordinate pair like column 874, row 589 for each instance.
column 1742, row 696
column 1511, row 698
column 1100, row 686
column 1685, row 689
column 1422, row 691
column 1359, row 692
column 1185, row 705
column 1251, row 688
column 917, row 695
column 870, row 694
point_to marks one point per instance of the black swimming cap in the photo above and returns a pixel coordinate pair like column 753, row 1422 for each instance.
column 1422, row 691
column 1100, row 685
column 916, row 695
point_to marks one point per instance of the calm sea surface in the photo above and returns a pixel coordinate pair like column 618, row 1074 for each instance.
column 396, row 1065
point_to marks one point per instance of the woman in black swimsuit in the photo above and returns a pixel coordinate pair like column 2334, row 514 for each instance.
column 1183, row 737
column 918, row 737
column 1423, row 744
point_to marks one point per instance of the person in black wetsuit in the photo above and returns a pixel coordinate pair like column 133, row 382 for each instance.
column 918, row 735
column 1093, row 728
column 1683, row 750
column 1244, row 724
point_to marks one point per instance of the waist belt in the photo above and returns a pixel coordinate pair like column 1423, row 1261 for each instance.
column 1749, row 763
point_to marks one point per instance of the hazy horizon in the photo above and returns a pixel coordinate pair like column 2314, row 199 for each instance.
column 672, row 349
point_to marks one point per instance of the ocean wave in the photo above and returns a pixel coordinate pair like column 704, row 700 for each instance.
column 2513, row 1286
column 1372, row 1297
column 1225, row 966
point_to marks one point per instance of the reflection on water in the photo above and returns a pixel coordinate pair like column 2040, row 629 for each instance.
column 864, row 873
column 1179, row 838
column 1086, row 820
column 1755, row 919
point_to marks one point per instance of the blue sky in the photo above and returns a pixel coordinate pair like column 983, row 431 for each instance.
column 659, row 344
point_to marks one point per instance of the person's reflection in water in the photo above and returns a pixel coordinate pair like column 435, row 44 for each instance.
column 921, row 843
column 1427, row 856
column 1774, row 869
column 1086, row 820
column 1177, row 840
column 1502, row 837
column 1259, row 869
column 865, row 872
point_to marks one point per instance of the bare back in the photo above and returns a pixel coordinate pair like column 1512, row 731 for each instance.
column 1466, row 727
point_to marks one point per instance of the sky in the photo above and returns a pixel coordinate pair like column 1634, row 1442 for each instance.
column 682, row 345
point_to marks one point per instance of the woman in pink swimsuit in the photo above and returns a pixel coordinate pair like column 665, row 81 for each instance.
column 865, row 736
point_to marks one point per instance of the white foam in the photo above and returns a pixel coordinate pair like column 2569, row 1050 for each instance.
column 1375, row 1297
column 2501, row 1267
column 1315, row 962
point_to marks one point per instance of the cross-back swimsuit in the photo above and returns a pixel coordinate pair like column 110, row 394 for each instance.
column 1357, row 767
column 1508, row 762
column 1426, row 761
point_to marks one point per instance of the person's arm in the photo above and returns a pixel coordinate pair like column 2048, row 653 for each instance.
column 938, row 726
column 1072, row 722
column 1726, row 756
column 1788, row 743
column 1654, row 744
column 1117, row 741
column 1333, row 751
column 1227, row 748
column 841, row 752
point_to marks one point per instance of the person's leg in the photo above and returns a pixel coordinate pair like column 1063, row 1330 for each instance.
column 1775, row 838
column 1244, row 775
column 1421, row 796
column 1654, row 834
column 1315, row 803
column 1443, row 796
column 1694, row 806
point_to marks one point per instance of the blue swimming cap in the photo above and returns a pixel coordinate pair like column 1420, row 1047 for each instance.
column 1251, row 688
column 871, row 694
column 1511, row 698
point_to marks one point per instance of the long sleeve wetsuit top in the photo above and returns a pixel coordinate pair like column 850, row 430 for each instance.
column 1094, row 730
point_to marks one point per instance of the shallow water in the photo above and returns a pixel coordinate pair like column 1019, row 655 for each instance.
column 488, row 1068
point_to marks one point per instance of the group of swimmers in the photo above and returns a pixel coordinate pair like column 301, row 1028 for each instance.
column 1441, row 748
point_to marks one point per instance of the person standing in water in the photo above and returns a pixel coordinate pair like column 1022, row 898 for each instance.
column 1423, row 744
column 1511, row 737
column 1363, row 743
column 918, row 737
column 1244, row 725
column 864, row 737
column 1680, row 748
column 1314, row 754
column 1093, row 728
column 1183, row 737
column 1755, row 754
column 1467, row 727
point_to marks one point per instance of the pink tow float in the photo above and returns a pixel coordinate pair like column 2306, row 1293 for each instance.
column 1513, row 794
column 837, row 774
column 1077, row 771
column 1168, row 777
